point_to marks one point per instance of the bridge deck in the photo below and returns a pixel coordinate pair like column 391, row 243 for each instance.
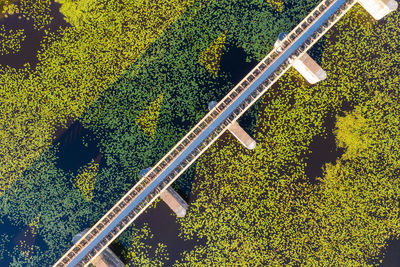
column 205, row 132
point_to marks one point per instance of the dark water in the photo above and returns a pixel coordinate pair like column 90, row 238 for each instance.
column 16, row 235
column 163, row 224
column 31, row 44
column 391, row 254
column 317, row 50
column 161, row 220
column 323, row 150
column 233, row 62
column 77, row 147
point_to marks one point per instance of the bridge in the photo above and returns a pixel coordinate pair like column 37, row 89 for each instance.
column 290, row 50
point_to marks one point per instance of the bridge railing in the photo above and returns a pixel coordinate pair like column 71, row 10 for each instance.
column 198, row 129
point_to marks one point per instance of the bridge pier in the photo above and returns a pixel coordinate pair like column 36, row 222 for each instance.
column 238, row 132
column 305, row 65
column 309, row 69
column 378, row 8
column 242, row 136
column 106, row 258
column 174, row 201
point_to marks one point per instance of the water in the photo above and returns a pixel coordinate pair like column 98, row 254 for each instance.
column 234, row 63
column 163, row 224
column 161, row 220
column 322, row 150
column 13, row 235
column 31, row 44
column 14, row 238
column 391, row 253
column 77, row 147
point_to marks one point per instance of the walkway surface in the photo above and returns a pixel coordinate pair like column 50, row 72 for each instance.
column 227, row 111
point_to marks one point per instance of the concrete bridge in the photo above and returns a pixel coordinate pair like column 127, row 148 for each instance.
column 290, row 50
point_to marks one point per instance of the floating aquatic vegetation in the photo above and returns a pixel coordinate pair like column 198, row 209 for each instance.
column 3, row 240
column 37, row 10
column 211, row 57
column 277, row 4
column 141, row 254
column 265, row 191
column 147, row 120
column 7, row 7
column 86, row 179
column 27, row 241
column 74, row 68
column 261, row 207
column 11, row 40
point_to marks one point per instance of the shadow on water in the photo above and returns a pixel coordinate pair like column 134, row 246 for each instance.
column 234, row 66
column 233, row 62
column 119, row 250
column 28, row 54
column 317, row 50
column 161, row 220
column 31, row 44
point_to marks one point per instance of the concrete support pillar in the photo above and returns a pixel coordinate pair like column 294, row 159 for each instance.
column 309, row 69
column 176, row 203
column 238, row 131
column 305, row 65
column 242, row 136
column 106, row 258
column 379, row 8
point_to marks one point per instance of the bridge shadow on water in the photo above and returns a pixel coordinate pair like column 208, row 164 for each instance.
column 162, row 222
column 78, row 145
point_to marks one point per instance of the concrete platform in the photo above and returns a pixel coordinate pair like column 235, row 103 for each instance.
column 107, row 258
column 379, row 8
column 238, row 131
